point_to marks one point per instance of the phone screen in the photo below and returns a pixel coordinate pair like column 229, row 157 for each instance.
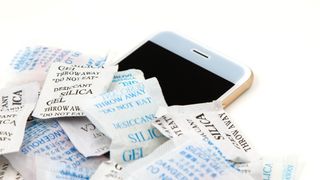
column 182, row 81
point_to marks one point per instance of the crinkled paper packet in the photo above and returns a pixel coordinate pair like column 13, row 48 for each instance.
column 93, row 142
column 273, row 168
column 65, row 87
column 211, row 122
column 125, row 115
column 16, row 105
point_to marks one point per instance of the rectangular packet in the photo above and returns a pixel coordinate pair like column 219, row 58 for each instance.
column 185, row 158
column 273, row 168
column 107, row 170
column 126, row 78
column 32, row 63
column 66, row 85
column 7, row 172
column 88, row 140
column 209, row 121
column 285, row 168
column 125, row 115
column 47, row 139
column 16, row 105
column 94, row 142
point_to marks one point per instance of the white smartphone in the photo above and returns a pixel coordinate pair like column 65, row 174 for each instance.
column 187, row 72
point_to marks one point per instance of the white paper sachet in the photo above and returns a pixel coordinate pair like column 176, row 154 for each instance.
column 209, row 121
column 273, row 168
column 65, row 87
column 126, row 78
column 88, row 140
column 125, row 115
column 32, row 63
column 286, row 168
column 46, row 138
column 107, row 170
column 16, row 105
column 7, row 172
column 185, row 158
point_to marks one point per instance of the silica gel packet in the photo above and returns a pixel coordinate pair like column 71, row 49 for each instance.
column 209, row 121
column 286, row 168
column 17, row 104
column 66, row 85
column 88, row 140
column 125, row 115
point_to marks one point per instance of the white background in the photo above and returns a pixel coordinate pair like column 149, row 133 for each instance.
column 279, row 40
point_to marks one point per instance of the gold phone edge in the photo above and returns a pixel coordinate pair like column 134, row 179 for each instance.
column 235, row 94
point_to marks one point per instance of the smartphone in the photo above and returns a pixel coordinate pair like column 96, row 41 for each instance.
column 187, row 72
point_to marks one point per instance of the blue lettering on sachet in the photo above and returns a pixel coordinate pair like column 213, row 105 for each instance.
column 41, row 140
column 267, row 171
column 192, row 161
column 132, row 154
column 99, row 62
column 136, row 121
column 288, row 172
column 117, row 97
column 73, row 175
column 48, row 138
column 30, row 58
column 146, row 135
column 64, row 172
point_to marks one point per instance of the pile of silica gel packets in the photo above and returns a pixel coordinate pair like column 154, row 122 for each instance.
column 67, row 115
